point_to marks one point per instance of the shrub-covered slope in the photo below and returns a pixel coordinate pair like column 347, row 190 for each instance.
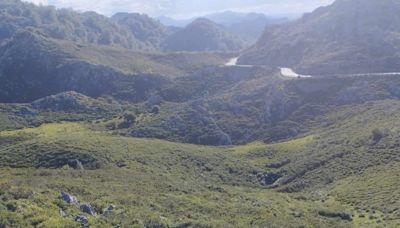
column 203, row 35
column 159, row 182
column 65, row 24
column 32, row 66
column 349, row 36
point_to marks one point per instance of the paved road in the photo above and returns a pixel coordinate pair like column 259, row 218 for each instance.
column 233, row 62
column 285, row 72
column 290, row 73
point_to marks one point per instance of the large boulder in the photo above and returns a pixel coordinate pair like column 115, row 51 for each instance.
column 87, row 208
column 69, row 198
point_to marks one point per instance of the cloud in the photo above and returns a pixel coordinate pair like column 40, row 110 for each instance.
column 186, row 7
column 39, row 2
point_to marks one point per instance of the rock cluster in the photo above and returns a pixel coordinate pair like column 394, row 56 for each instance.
column 84, row 207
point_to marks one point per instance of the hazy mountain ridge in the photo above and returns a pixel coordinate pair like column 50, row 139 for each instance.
column 248, row 26
column 66, row 24
column 126, row 30
column 145, row 28
column 349, row 36
column 203, row 35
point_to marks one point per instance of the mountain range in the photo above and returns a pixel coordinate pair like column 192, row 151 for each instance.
column 131, row 31
column 247, row 26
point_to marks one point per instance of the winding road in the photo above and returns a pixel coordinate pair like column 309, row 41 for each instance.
column 233, row 62
column 290, row 73
column 285, row 71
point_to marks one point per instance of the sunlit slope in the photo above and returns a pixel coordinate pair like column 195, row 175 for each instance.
column 151, row 181
column 332, row 170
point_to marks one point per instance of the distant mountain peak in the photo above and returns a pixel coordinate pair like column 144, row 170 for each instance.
column 203, row 35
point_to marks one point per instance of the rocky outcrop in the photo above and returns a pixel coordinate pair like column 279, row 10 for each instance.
column 83, row 220
column 32, row 66
column 341, row 215
column 76, row 164
column 108, row 210
column 69, row 199
column 85, row 207
column 268, row 179
column 88, row 209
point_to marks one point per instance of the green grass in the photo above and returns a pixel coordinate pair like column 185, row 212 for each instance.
column 336, row 167
column 375, row 194
column 134, row 62
column 151, row 181
column 144, row 198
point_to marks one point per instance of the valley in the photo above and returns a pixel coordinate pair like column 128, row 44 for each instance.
column 123, row 121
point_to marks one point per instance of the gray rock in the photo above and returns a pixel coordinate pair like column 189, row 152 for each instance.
column 268, row 179
column 76, row 164
column 69, row 198
column 83, row 220
column 87, row 208
column 341, row 215
column 109, row 209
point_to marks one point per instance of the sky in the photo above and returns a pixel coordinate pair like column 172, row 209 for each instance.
column 187, row 8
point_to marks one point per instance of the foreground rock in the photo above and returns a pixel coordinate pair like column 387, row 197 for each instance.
column 83, row 220
column 88, row 209
column 69, row 199
column 76, row 164
column 109, row 209
column 85, row 207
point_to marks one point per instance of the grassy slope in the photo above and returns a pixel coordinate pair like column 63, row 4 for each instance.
column 154, row 181
column 151, row 181
column 133, row 62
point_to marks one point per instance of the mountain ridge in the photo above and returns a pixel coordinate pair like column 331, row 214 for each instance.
column 203, row 35
column 349, row 36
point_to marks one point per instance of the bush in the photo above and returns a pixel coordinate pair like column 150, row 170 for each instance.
column 155, row 109
column 130, row 118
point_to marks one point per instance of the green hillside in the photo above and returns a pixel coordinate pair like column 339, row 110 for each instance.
column 346, row 37
column 151, row 182
column 122, row 122
column 158, row 183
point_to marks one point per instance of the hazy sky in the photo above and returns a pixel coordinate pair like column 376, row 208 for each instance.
column 187, row 8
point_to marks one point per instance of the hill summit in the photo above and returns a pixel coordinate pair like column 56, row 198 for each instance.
column 203, row 35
